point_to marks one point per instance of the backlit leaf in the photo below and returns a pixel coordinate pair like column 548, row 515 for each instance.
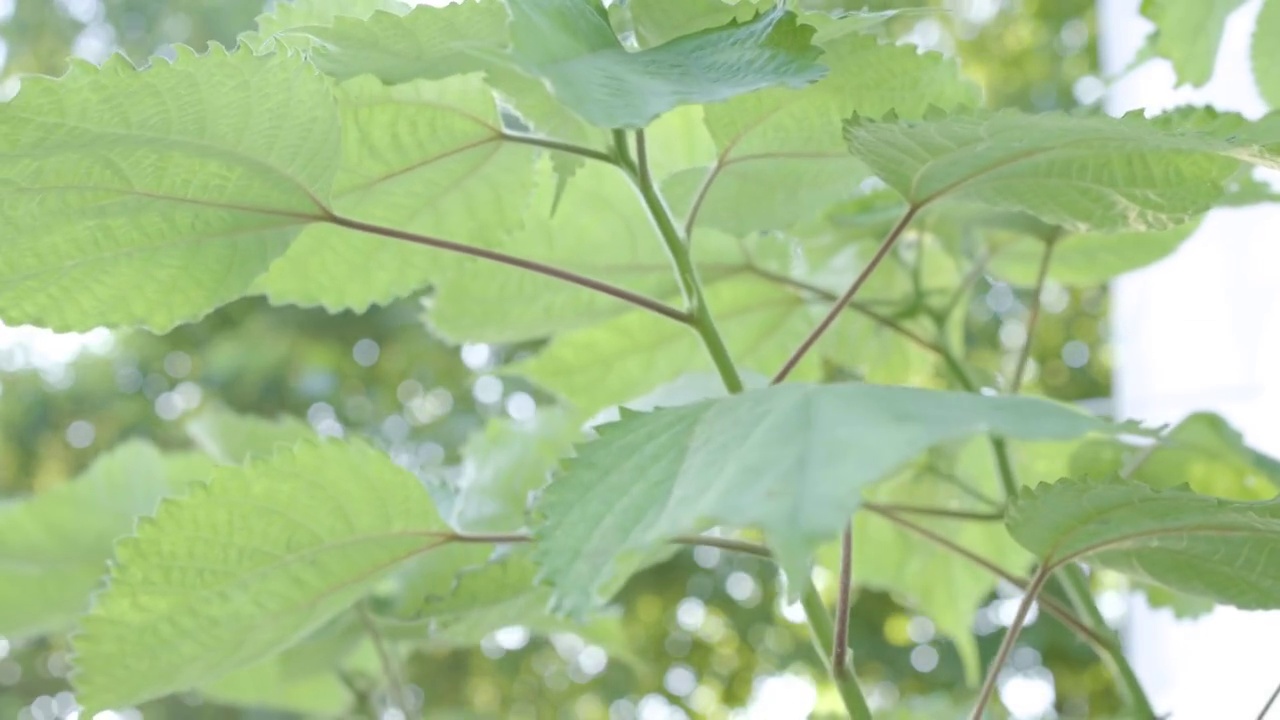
column 1087, row 259
column 54, row 547
column 778, row 157
column 791, row 460
column 571, row 44
column 426, row 157
column 1188, row 33
column 1266, row 52
column 1083, row 173
column 232, row 438
column 149, row 197
column 1218, row 549
column 621, row 359
column 248, row 565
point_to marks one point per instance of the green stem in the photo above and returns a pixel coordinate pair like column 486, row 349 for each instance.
column 1004, row 465
column 1033, row 317
column 702, row 321
column 678, row 250
column 1076, row 586
column 391, row 672
column 823, row 634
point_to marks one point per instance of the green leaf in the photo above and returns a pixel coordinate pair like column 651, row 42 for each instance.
column 1188, row 33
column 504, row 593
column 248, row 565
column 621, row 359
column 1083, row 173
column 232, row 438
column 1087, row 259
column 1266, row 53
column 599, row 230
column 790, row 460
column 397, row 46
column 1218, row 549
column 274, row 27
column 1207, row 454
column 425, row 157
column 268, row 685
column 776, row 157
column 54, row 547
column 571, row 44
column 148, row 198
column 505, row 464
column 655, row 22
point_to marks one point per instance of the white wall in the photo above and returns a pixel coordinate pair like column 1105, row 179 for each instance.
column 1201, row 330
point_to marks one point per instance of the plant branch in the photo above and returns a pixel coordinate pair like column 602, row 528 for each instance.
column 1004, row 466
column 1010, row 639
column 1051, row 606
column 980, row 515
column 860, row 308
column 1033, row 317
column 1076, row 586
column 698, row 314
column 824, row 640
column 881, row 253
column 395, row 688
column 844, row 602
column 534, row 266
column 559, row 146
column 1270, row 701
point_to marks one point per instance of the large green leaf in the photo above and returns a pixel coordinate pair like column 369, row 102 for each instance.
column 622, row 359
column 571, row 44
column 791, row 460
column 1087, row 259
column 54, row 547
column 655, row 22
column 776, row 156
column 1219, row 549
column 148, row 198
column 1266, row 52
column 248, row 565
column 426, row 157
column 1081, row 172
column 1188, row 33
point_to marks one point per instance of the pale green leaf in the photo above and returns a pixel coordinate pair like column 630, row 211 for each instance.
column 505, row 593
column 425, row 43
column 426, row 157
column 622, row 359
column 778, row 157
column 1207, row 454
column 655, row 22
column 1188, row 33
column 1086, row 259
column 248, row 565
column 54, row 547
column 790, row 460
column 1218, row 549
column 503, row 465
column 600, row 230
column 232, row 438
column 571, row 44
column 267, row 685
column 1266, row 52
column 1083, row 173
column 148, row 198
column 273, row 27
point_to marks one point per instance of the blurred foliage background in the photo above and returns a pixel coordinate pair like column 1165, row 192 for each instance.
column 721, row 642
